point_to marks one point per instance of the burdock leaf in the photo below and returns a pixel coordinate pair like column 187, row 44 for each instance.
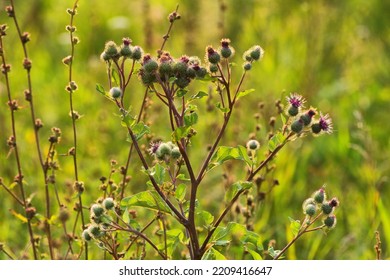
column 146, row 199
column 235, row 188
column 100, row 89
column 244, row 93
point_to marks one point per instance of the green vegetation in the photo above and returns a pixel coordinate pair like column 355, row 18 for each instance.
column 333, row 53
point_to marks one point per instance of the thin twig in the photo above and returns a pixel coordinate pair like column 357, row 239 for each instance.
column 74, row 128
column 15, row 147
column 166, row 36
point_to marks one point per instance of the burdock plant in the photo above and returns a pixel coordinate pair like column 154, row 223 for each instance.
column 173, row 182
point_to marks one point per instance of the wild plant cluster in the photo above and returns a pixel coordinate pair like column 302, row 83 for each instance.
column 168, row 218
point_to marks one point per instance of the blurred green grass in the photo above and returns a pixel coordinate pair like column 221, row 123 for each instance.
column 335, row 53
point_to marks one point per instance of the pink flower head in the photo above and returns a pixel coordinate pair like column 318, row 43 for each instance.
column 325, row 123
column 296, row 100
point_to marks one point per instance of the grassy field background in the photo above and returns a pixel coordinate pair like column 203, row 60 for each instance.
column 334, row 53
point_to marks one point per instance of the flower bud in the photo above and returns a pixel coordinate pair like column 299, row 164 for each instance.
column 30, row 212
column 213, row 68
column 180, row 68
column 163, row 151
column 94, row 230
column 293, row 111
column 137, row 53
column 67, row 60
column 173, row 16
column 108, row 203
column 256, row 52
column 25, row 37
column 212, row 56
column 111, row 50
column 78, row 186
column 149, row 64
column 307, row 117
column 326, row 208
column 175, row 153
column 334, row 202
column 27, row 64
column 324, row 124
column 165, row 69
column 247, row 66
column 104, row 56
column 310, row 210
column 97, row 210
column 253, row 145
column 182, row 82
column 309, row 201
column 330, row 221
column 75, row 40
column 63, row 216
column 201, row 72
column 226, row 50
column 147, row 78
column 191, row 72
column 297, row 126
column 126, row 51
column 10, row 11
column 86, row 235
column 316, row 128
column 320, row 195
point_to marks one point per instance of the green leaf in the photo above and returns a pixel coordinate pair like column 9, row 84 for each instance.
column 127, row 120
column 140, row 129
column 295, row 225
column 221, row 108
column 231, row 228
column 181, row 92
column 256, row 256
column 191, row 119
column 146, row 199
column 206, row 217
column 244, row 155
column 207, row 78
column 283, row 118
column 172, row 80
column 244, row 93
column 273, row 253
column 222, row 243
column 18, row 216
column 115, row 77
column 199, row 95
column 126, row 215
column 100, row 89
column 213, row 254
column 158, row 173
column 181, row 192
column 254, row 239
column 134, row 224
column 235, row 188
column 174, row 238
column 182, row 177
column 275, row 141
column 180, row 133
column 225, row 153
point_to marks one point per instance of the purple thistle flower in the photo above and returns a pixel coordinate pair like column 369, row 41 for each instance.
column 126, row 41
column 153, row 147
column 296, row 100
column 325, row 123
